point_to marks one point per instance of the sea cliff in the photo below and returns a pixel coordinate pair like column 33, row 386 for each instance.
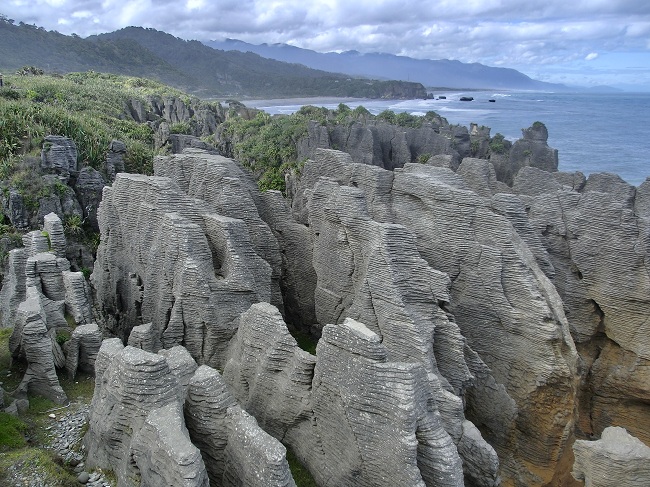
column 479, row 317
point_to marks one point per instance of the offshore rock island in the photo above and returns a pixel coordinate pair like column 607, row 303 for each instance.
column 481, row 318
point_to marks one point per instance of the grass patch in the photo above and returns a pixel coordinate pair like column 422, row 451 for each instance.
column 12, row 432
column 87, row 107
column 38, row 461
column 300, row 474
column 79, row 389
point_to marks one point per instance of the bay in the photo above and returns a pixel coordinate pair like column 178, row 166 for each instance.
column 593, row 132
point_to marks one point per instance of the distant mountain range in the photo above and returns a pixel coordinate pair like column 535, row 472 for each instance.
column 431, row 73
column 236, row 69
column 188, row 65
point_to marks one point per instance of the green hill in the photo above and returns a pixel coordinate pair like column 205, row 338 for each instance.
column 187, row 65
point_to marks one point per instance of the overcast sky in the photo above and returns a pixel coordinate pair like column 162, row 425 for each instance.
column 580, row 42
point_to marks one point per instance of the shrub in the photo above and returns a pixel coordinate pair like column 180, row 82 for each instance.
column 73, row 226
column 181, row 128
column 497, row 145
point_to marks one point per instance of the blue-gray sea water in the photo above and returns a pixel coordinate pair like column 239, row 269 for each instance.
column 592, row 132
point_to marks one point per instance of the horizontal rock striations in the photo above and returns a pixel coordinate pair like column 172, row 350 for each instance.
column 352, row 416
column 498, row 295
column 236, row 450
column 39, row 293
column 392, row 433
column 164, row 453
column 596, row 234
column 136, row 422
column 449, row 304
column 165, row 258
column 227, row 190
column 616, row 459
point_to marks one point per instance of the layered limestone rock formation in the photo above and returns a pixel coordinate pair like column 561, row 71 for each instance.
column 167, row 259
column 596, row 235
column 40, row 290
column 237, row 451
column 448, row 305
column 138, row 426
column 499, row 295
column 138, row 284
column 134, row 407
column 616, row 459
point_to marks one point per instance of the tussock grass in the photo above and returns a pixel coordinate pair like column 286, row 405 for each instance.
column 90, row 108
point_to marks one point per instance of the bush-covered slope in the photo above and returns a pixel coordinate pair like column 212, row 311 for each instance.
column 187, row 65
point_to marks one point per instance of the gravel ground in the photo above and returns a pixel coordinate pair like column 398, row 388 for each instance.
column 64, row 432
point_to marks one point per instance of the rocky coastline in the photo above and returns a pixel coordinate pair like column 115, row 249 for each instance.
column 480, row 317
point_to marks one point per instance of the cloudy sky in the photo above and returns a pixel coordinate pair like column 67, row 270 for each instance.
column 579, row 42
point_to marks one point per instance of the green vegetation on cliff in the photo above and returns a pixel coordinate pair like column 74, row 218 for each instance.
column 87, row 107
column 268, row 145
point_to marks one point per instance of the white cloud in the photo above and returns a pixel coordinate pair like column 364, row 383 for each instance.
column 495, row 32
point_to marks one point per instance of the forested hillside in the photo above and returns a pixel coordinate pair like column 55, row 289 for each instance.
column 186, row 65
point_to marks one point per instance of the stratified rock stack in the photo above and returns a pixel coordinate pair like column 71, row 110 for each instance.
column 338, row 412
column 616, row 459
column 36, row 346
column 164, row 453
column 135, row 406
column 275, row 385
column 532, row 150
column 165, row 258
column 378, row 143
column 371, row 434
column 499, row 296
column 597, row 236
column 440, row 297
column 59, row 155
column 236, row 450
column 227, row 190
column 82, row 348
column 39, row 292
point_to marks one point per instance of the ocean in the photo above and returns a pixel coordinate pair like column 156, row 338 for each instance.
column 592, row 132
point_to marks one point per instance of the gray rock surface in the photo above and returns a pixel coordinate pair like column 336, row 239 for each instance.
column 130, row 383
column 89, row 186
column 531, row 150
column 211, row 270
column 479, row 176
column 227, row 190
column 145, row 338
column 59, row 155
column 388, row 146
column 275, row 385
column 15, row 210
column 298, row 277
column 13, row 287
column 235, row 449
column 597, row 242
column 179, row 142
column 182, row 366
column 380, row 442
column 78, row 297
column 616, row 459
column 496, row 286
column 82, row 348
column 36, row 345
column 164, row 454
column 115, row 159
column 37, row 293
column 53, row 227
